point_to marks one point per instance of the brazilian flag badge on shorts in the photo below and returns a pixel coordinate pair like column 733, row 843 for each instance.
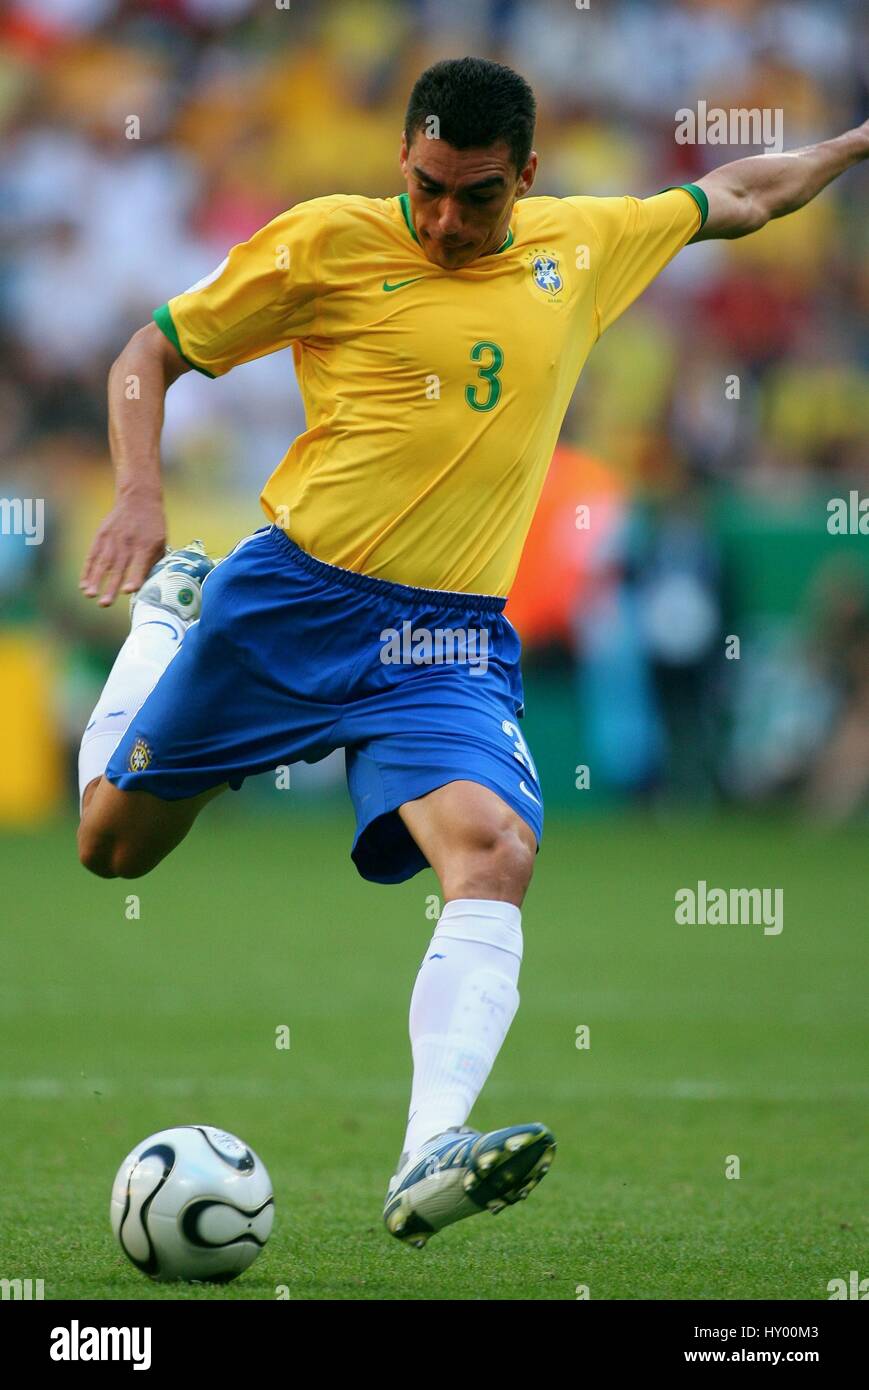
column 140, row 756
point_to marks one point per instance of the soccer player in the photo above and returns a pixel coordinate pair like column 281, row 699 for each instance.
column 437, row 338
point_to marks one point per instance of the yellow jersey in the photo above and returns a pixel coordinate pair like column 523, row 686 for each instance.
column 433, row 398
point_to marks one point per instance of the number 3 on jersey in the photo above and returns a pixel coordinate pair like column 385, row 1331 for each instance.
column 474, row 395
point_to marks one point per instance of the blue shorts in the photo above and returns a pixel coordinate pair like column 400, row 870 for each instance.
column 293, row 658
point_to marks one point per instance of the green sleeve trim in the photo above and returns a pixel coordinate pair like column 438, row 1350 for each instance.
column 699, row 198
column 163, row 319
column 697, row 194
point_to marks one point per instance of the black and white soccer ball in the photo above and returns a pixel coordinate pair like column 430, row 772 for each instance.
column 192, row 1203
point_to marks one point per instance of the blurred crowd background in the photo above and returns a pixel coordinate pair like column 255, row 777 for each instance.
column 697, row 636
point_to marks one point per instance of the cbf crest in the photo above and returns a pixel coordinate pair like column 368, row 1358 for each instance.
column 546, row 274
column 140, row 756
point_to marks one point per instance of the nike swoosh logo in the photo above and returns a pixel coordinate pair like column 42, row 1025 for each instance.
column 401, row 283
column 523, row 788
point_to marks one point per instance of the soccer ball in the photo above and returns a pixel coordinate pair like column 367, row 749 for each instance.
column 192, row 1203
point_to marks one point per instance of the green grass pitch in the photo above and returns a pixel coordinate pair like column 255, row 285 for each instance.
column 705, row 1042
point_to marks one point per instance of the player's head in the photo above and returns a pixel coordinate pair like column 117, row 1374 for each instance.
column 466, row 154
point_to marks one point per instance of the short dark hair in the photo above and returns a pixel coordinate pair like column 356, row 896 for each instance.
column 477, row 103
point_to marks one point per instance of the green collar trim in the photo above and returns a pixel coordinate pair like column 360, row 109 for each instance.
column 404, row 203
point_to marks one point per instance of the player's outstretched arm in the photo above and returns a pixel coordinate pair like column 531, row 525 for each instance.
column 133, row 536
column 745, row 195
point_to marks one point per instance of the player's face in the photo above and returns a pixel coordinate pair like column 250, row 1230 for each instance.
column 461, row 200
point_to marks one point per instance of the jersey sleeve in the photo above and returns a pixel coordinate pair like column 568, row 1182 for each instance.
column 258, row 300
column 634, row 239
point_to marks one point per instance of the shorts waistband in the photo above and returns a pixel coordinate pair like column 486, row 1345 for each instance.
column 352, row 579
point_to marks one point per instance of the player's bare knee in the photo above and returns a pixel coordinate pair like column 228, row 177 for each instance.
column 95, row 853
column 497, row 863
column 109, row 856
column 515, row 855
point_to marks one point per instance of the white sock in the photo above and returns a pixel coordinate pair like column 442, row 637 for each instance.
column 155, row 638
column 463, row 1003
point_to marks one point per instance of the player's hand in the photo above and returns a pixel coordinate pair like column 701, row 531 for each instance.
column 128, row 544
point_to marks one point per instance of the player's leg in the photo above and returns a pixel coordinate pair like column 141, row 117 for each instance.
column 440, row 774
column 124, row 834
column 466, row 992
column 464, row 1000
column 127, row 833
column 245, row 693
column 465, row 996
